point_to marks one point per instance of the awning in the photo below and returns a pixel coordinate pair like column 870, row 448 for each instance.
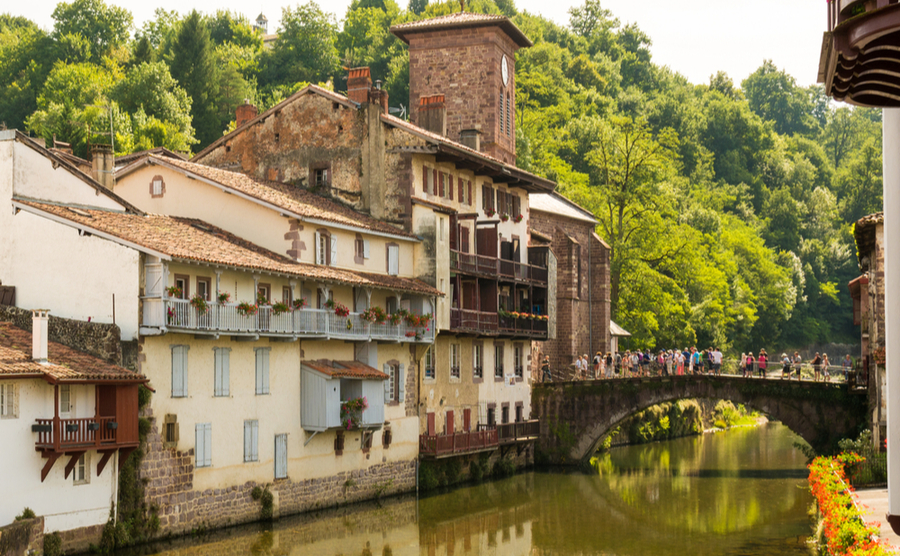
column 616, row 330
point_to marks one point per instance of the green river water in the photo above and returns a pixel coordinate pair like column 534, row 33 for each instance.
column 741, row 492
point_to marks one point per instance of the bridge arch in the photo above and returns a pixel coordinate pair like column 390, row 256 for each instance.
column 575, row 416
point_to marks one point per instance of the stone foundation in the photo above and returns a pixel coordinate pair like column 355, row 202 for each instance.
column 22, row 537
column 169, row 475
column 77, row 541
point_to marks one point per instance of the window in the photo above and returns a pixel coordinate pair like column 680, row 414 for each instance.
column 326, row 248
column 9, row 401
column 204, row 286
column 498, row 361
column 517, row 360
column 179, row 371
column 487, row 198
column 157, row 187
column 183, row 282
column 504, row 413
column 454, row 361
column 477, row 360
column 287, row 295
column 222, row 357
column 66, row 403
column 515, row 204
column 280, row 456
column 82, row 471
column 361, row 250
column 429, row 176
column 320, row 177
column 264, row 291
column 251, row 440
column 203, row 445
column 262, row 371
column 170, row 423
column 394, row 386
column 502, row 205
column 508, row 116
column 393, row 259
column 502, row 115
column 429, row 363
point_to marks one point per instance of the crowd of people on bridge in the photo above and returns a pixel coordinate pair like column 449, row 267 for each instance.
column 691, row 361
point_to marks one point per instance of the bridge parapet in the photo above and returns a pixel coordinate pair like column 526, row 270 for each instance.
column 576, row 416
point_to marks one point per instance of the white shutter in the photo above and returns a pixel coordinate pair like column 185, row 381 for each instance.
column 255, row 441
column 401, row 397
column 320, row 256
column 179, row 372
column 262, row 370
column 388, row 398
column 333, row 251
column 393, row 260
column 365, row 248
column 280, row 456
column 207, row 443
column 203, row 445
column 248, row 446
column 154, row 279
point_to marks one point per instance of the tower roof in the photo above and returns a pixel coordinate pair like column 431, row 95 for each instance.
column 261, row 17
column 461, row 20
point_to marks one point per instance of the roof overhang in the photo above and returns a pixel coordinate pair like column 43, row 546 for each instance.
column 403, row 32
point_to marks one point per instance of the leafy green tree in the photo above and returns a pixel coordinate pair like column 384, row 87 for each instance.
column 774, row 96
column 143, row 52
column 150, row 88
column 305, row 49
column 417, row 6
column 106, row 27
column 193, row 65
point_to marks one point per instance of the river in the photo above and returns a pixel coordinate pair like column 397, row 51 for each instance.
column 740, row 492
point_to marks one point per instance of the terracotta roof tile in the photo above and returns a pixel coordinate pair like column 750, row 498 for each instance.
column 65, row 364
column 286, row 196
column 345, row 369
column 194, row 240
column 461, row 20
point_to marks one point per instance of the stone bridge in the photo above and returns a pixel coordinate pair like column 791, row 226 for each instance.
column 576, row 416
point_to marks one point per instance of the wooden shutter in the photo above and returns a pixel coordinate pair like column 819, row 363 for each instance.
column 471, row 201
column 365, row 248
column 333, row 260
column 203, row 444
column 425, row 179
column 434, row 181
column 459, row 184
column 401, row 396
column 222, row 371
column 280, row 456
column 320, row 258
column 450, row 423
column 450, row 185
column 430, row 424
column 467, row 419
column 262, row 370
column 393, row 260
column 388, row 397
column 441, row 182
column 516, row 208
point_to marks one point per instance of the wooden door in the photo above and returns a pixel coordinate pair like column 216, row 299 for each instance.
column 430, row 425
column 467, row 419
column 450, row 424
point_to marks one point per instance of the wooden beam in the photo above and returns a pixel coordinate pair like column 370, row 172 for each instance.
column 72, row 461
column 51, row 459
column 123, row 455
column 104, row 460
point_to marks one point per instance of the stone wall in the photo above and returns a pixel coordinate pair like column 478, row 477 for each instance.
column 169, row 485
column 22, row 538
column 78, row 541
column 97, row 339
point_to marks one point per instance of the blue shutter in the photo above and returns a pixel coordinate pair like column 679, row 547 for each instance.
column 280, row 456
column 401, row 376
column 203, row 445
column 388, row 397
column 179, row 372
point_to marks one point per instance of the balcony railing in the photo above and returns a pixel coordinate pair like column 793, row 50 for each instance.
column 469, row 263
column 179, row 314
column 524, row 327
column 61, row 434
column 476, row 321
column 508, row 433
column 458, row 443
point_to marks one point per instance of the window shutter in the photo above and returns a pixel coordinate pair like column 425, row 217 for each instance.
column 179, row 372
column 434, row 182
column 217, row 386
column 441, row 181
column 425, row 179
column 225, row 372
column 198, row 445
column 319, row 254
column 254, row 441
column 471, row 201
column 207, row 444
column 393, row 260
column 280, row 456
column 248, row 441
column 459, row 184
column 515, row 203
column 401, row 396
column 365, row 248
column 333, row 260
column 450, row 185
column 387, row 384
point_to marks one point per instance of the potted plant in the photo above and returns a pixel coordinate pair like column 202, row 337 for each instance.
column 170, row 315
column 504, row 217
column 280, row 307
column 518, row 218
column 247, row 309
column 200, row 304
column 224, row 297
column 261, row 298
column 489, row 212
column 173, row 291
column 351, row 412
column 339, row 309
column 299, row 303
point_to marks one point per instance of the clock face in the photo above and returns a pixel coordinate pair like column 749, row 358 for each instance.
column 504, row 70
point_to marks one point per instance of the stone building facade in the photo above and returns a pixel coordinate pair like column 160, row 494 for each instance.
column 582, row 275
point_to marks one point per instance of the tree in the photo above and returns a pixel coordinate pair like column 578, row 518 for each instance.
column 417, row 6
column 193, row 65
column 774, row 96
column 305, row 49
column 107, row 28
column 143, row 52
column 150, row 88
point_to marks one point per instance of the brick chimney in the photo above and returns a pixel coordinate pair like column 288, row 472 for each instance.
column 471, row 138
column 39, row 320
column 433, row 114
column 379, row 96
column 359, row 82
column 245, row 113
column 102, row 166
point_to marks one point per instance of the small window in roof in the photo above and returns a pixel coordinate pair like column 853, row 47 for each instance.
column 80, row 212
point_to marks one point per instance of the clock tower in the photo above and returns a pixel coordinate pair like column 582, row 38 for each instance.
column 470, row 60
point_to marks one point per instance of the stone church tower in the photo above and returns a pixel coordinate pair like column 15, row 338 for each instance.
column 462, row 79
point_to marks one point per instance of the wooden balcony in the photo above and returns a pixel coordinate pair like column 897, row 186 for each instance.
column 178, row 315
column 446, row 445
column 528, row 328
column 522, row 431
column 492, row 267
column 478, row 322
column 859, row 58
column 65, row 434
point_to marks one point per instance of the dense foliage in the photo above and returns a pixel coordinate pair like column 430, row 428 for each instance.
column 728, row 208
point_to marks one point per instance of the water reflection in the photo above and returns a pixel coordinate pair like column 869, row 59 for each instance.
column 737, row 493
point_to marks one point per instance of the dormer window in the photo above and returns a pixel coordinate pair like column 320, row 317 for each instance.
column 320, row 176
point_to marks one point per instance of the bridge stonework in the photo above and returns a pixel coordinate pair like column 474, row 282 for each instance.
column 576, row 416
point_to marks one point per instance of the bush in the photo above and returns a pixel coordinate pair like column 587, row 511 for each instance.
column 52, row 544
column 27, row 513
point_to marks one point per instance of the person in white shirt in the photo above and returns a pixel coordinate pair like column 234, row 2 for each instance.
column 717, row 361
column 579, row 368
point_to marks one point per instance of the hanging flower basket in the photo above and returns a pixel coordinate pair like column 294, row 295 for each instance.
column 279, row 308
column 351, row 412
column 504, row 217
column 374, row 315
column 299, row 303
column 247, row 309
column 224, row 297
column 197, row 302
column 173, row 291
column 518, row 218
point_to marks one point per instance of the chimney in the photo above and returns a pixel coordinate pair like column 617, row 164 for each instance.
column 102, row 166
column 39, row 319
column 245, row 113
column 433, row 114
column 471, row 138
column 359, row 81
column 379, row 96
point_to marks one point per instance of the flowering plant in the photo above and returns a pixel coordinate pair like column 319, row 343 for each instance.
column 398, row 316
column 489, row 212
column 299, row 303
column 170, row 315
column 504, row 217
column 339, row 309
column 224, row 297
column 261, row 298
column 247, row 309
column 199, row 303
column 518, row 218
column 418, row 320
column 374, row 314
column 351, row 412
column 280, row 307
column 173, row 291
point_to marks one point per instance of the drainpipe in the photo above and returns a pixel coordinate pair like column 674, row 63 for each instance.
column 591, row 299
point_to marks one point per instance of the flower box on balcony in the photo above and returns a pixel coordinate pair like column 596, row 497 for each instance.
column 112, row 425
column 71, row 427
column 42, row 428
column 93, row 426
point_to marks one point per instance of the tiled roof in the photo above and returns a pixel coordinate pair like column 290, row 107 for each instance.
column 460, row 20
column 285, row 196
column 160, row 151
column 554, row 203
column 193, row 240
column 65, row 364
column 345, row 369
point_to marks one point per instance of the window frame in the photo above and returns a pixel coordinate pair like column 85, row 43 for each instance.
column 9, row 400
column 185, row 285
column 428, row 363
column 207, row 281
column 392, row 270
column 498, row 361
column 81, row 473
column 65, row 393
column 477, row 361
column 519, row 361
column 454, row 360
column 251, row 442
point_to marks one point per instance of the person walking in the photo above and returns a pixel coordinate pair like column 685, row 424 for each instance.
column 743, row 365
column 762, row 363
column 545, row 370
column 717, row 361
column 817, row 366
column 598, row 362
column 578, row 368
column 750, row 364
column 785, row 366
column 798, row 364
column 679, row 363
column 846, row 365
column 695, row 361
column 609, row 364
column 586, row 366
column 619, row 369
column 825, row 370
